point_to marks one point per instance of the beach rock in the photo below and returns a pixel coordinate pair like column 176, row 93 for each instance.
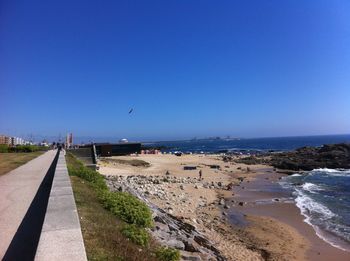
column 229, row 186
column 190, row 258
column 202, row 204
column 162, row 227
column 176, row 244
column 190, row 245
column 159, row 219
column 222, row 202
column 227, row 158
column 241, row 203
column 163, row 235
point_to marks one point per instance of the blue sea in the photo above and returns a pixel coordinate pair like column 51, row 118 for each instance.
column 323, row 197
column 249, row 145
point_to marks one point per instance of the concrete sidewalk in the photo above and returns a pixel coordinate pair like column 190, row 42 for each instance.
column 17, row 191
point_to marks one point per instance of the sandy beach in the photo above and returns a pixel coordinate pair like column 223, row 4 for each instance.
column 233, row 205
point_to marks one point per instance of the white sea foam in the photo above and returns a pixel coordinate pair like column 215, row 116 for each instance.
column 341, row 174
column 312, row 188
column 296, row 175
column 341, row 171
column 333, row 172
column 325, row 170
column 308, row 206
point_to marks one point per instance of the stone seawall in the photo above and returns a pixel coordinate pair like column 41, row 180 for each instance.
column 61, row 237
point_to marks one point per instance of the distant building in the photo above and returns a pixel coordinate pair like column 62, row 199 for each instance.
column 5, row 140
column 69, row 140
column 17, row 141
column 11, row 141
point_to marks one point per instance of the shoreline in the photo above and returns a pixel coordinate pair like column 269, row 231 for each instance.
column 236, row 205
column 319, row 248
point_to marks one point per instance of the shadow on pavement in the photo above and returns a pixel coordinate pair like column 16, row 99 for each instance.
column 25, row 242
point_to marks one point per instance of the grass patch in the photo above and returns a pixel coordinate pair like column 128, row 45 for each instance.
column 123, row 205
column 22, row 148
column 102, row 231
column 132, row 162
column 72, row 162
column 10, row 161
column 107, row 237
column 136, row 235
column 168, row 254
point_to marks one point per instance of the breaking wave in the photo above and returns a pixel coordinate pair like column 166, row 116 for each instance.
column 323, row 197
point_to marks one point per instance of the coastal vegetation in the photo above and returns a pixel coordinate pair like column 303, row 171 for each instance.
column 167, row 254
column 136, row 234
column 21, row 148
column 113, row 223
column 132, row 162
column 10, row 161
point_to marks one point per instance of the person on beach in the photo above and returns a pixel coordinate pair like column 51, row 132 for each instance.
column 200, row 174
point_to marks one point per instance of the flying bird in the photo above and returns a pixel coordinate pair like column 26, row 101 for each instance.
column 131, row 111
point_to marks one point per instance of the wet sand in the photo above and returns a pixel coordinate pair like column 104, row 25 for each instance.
column 260, row 196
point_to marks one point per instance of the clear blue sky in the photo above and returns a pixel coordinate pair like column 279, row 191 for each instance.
column 188, row 68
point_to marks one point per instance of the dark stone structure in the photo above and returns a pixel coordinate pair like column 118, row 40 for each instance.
column 117, row 149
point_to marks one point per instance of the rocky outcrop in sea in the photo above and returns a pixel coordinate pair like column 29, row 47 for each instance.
column 336, row 156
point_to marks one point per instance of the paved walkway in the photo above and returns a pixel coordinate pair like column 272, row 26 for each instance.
column 17, row 191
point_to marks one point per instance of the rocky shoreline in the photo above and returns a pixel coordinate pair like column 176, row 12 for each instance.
column 334, row 156
column 170, row 230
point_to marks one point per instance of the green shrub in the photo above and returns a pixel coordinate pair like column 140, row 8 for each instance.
column 123, row 205
column 26, row 148
column 89, row 175
column 136, row 234
column 128, row 208
column 167, row 254
column 4, row 148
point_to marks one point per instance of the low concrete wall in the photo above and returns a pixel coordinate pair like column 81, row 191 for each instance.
column 86, row 156
column 61, row 237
